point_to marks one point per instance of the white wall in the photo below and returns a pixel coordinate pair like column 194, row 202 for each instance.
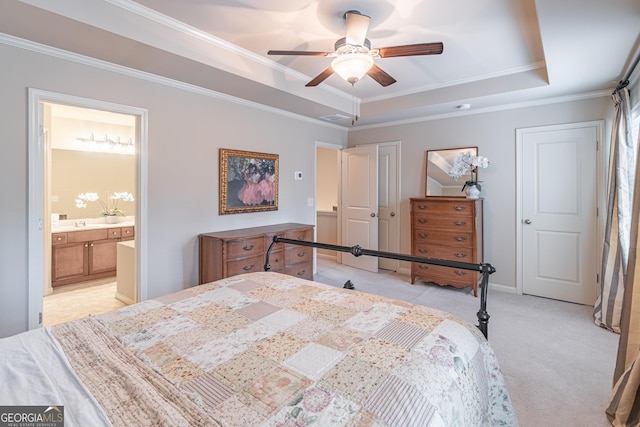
column 495, row 135
column 186, row 130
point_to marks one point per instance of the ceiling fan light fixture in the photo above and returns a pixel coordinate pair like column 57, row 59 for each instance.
column 353, row 66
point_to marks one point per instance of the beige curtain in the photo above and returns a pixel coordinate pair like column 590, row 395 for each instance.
column 623, row 406
column 624, row 403
column 615, row 255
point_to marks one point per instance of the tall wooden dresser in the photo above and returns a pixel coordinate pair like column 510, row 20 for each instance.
column 229, row 253
column 446, row 228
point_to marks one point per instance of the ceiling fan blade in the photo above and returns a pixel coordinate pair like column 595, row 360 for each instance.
column 412, row 50
column 357, row 27
column 320, row 77
column 298, row 52
column 381, row 76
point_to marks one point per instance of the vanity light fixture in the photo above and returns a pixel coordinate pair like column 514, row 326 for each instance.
column 114, row 144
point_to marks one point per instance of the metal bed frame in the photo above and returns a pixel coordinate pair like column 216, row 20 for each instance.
column 485, row 269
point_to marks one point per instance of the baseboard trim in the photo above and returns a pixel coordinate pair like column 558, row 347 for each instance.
column 124, row 299
column 502, row 288
column 327, row 256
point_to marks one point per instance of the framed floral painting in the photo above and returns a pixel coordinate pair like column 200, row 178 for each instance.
column 248, row 181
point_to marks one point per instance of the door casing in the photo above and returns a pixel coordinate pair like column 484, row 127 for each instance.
column 39, row 233
column 600, row 190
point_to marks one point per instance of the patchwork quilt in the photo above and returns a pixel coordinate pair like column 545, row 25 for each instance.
column 266, row 349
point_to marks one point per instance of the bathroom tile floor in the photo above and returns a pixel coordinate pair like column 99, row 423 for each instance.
column 79, row 300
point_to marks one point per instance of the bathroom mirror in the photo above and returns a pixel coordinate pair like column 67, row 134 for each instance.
column 439, row 163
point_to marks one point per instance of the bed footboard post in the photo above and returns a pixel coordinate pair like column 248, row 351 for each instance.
column 267, row 266
column 483, row 316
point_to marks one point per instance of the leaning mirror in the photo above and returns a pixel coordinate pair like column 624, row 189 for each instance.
column 439, row 163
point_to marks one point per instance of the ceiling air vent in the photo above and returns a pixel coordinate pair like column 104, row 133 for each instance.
column 334, row 117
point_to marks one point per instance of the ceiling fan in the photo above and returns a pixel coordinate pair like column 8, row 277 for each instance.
column 353, row 56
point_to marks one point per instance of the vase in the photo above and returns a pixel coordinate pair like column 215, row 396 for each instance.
column 112, row 219
column 473, row 192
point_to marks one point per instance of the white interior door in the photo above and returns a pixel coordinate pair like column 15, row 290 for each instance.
column 359, row 204
column 388, row 218
column 559, row 208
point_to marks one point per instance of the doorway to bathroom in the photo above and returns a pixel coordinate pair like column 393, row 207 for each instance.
column 87, row 213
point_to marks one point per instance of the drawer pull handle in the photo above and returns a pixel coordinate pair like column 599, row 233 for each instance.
column 423, row 235
column 460, row 223
column 300, row 238
column 459, row 239
column 114, row 232
column 247, row 248
column 128, row 231
column 59, row 238
column 459, row 255
column 460, row 273
column 422, row 207
column 301, row 254
column 423, row 267
column 248, row 267
column 460, row 208
column 86, row 245
column 423, row 251
column 301, row 273
column 423, row 221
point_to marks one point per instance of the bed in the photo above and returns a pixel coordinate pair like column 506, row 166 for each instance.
column 261, row 349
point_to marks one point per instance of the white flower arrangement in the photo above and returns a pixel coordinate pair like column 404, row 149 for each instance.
column 110, row 208
column 466, row 162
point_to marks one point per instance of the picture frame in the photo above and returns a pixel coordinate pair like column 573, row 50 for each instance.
column 248, row 181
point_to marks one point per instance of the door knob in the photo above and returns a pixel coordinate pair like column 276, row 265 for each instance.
column 373, row 215
column 392, row 214
column 527, row 221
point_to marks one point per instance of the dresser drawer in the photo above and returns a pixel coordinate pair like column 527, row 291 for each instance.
column 444, row 207
column 127, row 233
column 247, row 265
column 304, row 234
column 304, row 270
column 114, row 233
column 58, row 238
column 438, row 221
column 442, row 237
column 454, row 253
column 237, row 249
column 297, row 254
column 446, row 275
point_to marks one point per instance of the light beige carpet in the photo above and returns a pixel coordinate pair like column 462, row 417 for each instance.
column 79, row 300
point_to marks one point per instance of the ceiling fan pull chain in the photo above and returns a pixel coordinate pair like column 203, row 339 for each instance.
column 354, row 111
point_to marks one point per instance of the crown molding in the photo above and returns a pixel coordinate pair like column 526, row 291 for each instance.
column 502, row 107
column 20, row 43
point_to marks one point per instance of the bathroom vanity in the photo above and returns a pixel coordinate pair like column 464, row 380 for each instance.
column 85, row 253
